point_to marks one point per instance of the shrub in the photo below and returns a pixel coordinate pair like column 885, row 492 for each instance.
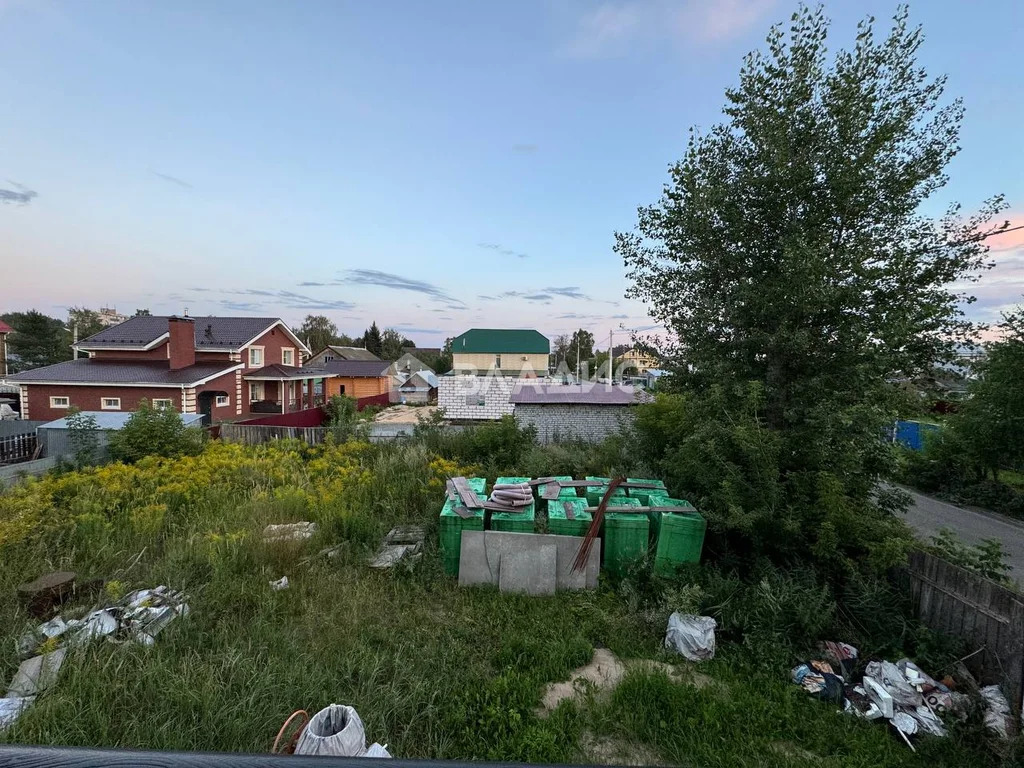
column 83, row 432
column 155, row 432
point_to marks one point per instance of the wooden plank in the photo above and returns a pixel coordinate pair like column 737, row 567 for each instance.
column 570, row 510
column 466, row 494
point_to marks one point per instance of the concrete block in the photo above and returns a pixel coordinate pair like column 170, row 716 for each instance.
column 531, row 570
column 482, row 553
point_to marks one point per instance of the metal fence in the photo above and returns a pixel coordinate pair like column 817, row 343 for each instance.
column 989, row 618
column 18, row 427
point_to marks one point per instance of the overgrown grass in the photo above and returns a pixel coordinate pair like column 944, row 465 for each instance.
column 434, row 670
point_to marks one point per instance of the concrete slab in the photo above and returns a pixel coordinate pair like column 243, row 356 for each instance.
column 530, row 570
column 482, row 552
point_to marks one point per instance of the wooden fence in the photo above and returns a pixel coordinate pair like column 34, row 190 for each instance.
column 17, row 448
column 255, row 434
column 989, row 618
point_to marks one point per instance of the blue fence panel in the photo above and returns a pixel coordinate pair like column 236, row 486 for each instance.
column 911, row 433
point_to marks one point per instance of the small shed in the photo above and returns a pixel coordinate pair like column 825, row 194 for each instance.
column 420, row 387
column 55, row 437
column 589, row 411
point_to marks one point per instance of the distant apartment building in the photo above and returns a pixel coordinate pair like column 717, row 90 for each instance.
column 109, row 316
column 636, row 360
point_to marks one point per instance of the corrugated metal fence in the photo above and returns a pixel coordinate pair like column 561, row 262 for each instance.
column 985, row 615
column 18, row 427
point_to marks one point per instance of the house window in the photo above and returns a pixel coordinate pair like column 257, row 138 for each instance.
column 255, row 357
column 255, row 391
column 497, row 361
column 328, row 358
column 223, row 400
column 162, row 402
column 110, row 403
column 288, row 356
column 60, row 402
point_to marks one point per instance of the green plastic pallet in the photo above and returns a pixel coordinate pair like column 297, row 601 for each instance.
column 625, row 536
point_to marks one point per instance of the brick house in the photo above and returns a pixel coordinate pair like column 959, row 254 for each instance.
column 487, row 366
column 336, row 352
column 222, row 367
column 4, row 330
column 588, row 411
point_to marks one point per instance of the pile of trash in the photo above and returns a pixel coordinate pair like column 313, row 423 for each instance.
column 137, row 618
column 901, row 693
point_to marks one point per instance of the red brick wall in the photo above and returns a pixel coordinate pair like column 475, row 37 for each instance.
column 88, row 398
column 272, row 342
column 224, row 384
column 182, row 342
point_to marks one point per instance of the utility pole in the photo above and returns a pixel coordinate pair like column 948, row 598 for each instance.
column 611, row 379
column 579, row 334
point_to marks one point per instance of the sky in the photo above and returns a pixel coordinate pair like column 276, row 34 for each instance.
column 429, row 166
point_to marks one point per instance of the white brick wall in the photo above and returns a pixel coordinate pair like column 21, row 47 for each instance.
column 556, row 422
column 460, row 397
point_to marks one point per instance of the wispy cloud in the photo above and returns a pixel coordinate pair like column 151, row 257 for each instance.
column 406, row 328
column 286, row 299
column 242, row 306
column 171, row 179
column 616, row 28
column 498, row 248
column 399, row 283
column 21, row 195
column 309, row 284
column 525, row 149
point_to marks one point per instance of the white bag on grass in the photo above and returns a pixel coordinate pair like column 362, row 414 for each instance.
column 337, row 730
column 693, row 636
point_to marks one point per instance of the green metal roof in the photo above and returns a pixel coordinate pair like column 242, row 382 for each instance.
column 499, row 341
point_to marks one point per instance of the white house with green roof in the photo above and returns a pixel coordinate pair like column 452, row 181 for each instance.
column 487, row 366
column 509, row 351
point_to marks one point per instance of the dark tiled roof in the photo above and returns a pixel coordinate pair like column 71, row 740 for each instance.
column 217, row 332
column 278, row 371
column 120, row 372
column 579, row 394
column 352, row 353
column 372, row 369
column 500, row 341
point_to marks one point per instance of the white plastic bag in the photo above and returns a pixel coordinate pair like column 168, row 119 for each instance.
column 997, row 711
column 692, row 636
column 337, row 730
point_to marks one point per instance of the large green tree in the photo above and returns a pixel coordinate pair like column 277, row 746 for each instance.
column 794, row 268
column 372, row 340
column 317, row 332
column 790, row 247
column 391, row 343
column 37, row 340
column 581, row 347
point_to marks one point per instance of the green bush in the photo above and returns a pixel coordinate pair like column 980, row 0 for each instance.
column 761, row 498
column 499, row 447
column 155, row 432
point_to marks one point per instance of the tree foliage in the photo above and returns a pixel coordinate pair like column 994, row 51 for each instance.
column 792, row 265
column 372, row 340
column 317, row 332
column 581, row 347
column 391, row 344
column 87, row 321
column 991, row 420
column 83, row 433
column 789, row 247
column 153, row 431
column 37, row 340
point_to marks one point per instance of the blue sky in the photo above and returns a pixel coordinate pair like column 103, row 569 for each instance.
column 431, row 166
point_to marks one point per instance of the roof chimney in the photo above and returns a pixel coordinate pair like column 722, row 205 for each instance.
column 182, row 342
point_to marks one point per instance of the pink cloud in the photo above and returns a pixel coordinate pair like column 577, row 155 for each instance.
column 1009, row 241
